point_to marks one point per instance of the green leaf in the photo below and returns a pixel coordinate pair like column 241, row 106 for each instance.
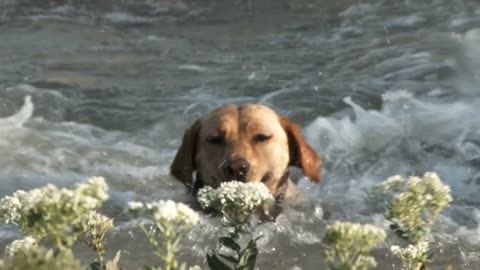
column 216, row 264
column 249, row 256
column 229, row 242
column 231, row 259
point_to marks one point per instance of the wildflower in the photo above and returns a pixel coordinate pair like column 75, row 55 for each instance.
column 206, row 196
column 170, row 212
column 413, row 251
column 353, row 239
column 165, row 212
column 52, row 212
column 415, row 210
column 96, row 226
column 96, row 187
column 135, row 206
column 413, row 256
column 186, row 214
column 172, row 221
column 236, row 200
column 26, row 245
column 394, row 183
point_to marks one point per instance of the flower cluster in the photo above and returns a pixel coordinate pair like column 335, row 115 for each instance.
column 172, row 221
column 165, row 212
column 26, row 246
column 236, row 200
column 96, row 226
column 349, row 245
column 52, row 212
column 393, row 183
column 415, row 205
column 417, row 208
column 413, row 256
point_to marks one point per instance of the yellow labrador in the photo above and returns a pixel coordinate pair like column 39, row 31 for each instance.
column 249, row 143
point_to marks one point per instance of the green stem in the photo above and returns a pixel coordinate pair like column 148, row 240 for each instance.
column 170, row 247
column 100, row 258
column 152, row 241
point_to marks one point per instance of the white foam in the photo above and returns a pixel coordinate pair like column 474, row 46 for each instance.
column 407, row 136
column 18, row 119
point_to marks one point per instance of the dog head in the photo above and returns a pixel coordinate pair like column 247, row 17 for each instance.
column 249, row 143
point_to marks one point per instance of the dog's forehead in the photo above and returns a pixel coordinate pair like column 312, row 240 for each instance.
column 247, row 116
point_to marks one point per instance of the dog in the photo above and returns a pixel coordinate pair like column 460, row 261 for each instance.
column 249, row 143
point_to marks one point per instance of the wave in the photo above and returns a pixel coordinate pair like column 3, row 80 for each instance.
column 22, row 116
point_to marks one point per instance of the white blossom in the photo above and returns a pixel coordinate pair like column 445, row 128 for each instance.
column 135, row 206
column 355, row 230
column 235, row 198
column 187, row 214
column 393, row 183
column 95, row 187
column 412, row 254
column 25, row 245
column 53, row 209
column 417, row 206
column 95, row 220
column 166, row 211
column 163, row 210
column 357, row 239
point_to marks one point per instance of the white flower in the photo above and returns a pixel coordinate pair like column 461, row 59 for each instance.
column 166, row 212
column 95, row 220
column 414, row 181
column 411, row 252
column 187, row 214
column 195, row 267
column 60, row 208
column 235, row 197
column 437, row 187
column 397, row 250
column 356, row 239
column 163, row 210
column 206, row 196
column 25, row 245
column 135, row 206
column 393, row 183
column 96, row 187
column 354, row 230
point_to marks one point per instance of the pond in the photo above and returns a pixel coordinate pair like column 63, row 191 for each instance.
column 378, row 87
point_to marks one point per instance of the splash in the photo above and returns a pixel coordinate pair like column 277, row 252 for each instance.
column 17, row 120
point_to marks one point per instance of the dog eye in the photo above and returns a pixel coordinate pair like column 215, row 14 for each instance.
column 261, row 138
column 215, row 140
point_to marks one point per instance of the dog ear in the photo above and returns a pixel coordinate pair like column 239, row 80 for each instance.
column 183, row 164
column 302, row 155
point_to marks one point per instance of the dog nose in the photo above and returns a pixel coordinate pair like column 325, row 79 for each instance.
column 236, row 169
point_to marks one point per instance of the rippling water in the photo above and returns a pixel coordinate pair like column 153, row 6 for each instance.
column 379, row 87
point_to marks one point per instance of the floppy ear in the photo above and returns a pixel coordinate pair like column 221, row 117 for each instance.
column 183, row 164
column 302, row 155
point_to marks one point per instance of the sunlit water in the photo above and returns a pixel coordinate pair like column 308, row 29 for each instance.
column 379, row 88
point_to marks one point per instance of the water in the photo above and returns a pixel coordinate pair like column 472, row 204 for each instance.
column 379, row 88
